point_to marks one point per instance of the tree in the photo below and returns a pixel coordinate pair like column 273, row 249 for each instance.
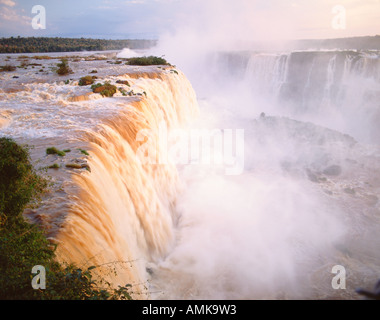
column 63, row 68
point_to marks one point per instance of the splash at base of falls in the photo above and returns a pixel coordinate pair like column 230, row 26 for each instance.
column 308, row 199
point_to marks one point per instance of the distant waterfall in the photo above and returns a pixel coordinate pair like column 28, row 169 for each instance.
column 315, row 85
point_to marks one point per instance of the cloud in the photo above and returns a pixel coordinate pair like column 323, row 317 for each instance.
column 9, row 14
column 253, row 20
column 9, row 3
column 213, row 20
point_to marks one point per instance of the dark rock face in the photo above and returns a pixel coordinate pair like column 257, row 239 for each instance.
column 334, row 170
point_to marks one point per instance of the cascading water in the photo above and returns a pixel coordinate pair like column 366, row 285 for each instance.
column 134, row 204
column 121, row 214
column 306, row 201
column 339, row 89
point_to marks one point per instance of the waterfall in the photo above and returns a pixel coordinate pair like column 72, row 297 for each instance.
column 314, row 85
column 300, row 206
column 124, row 209
column 121, row 214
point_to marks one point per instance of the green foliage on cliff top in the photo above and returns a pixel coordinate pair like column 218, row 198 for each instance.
column 147, row 61
column 87, row 80
column 106, row 89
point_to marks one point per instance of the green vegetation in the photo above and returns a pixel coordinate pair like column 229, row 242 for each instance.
column 123, row 92
column 115, row 62
column 147, row 61
column 54, row 166
column 106, row 89
column 95, row 58
column 19, row 183
column 43, row 58
column 86, row 81
column 63, row 68
column 130, row 93
column 43, row 44
column 7, row 68
column 54, row 150
column 84, row 152
column 24, row 245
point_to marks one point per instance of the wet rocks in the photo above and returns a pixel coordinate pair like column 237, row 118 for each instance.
column 312, row 176
column 124, row 82
column 334, row 170
column 350, row 191
column 75, row 165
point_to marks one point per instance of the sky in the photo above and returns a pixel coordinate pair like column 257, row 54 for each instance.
column 238, row 19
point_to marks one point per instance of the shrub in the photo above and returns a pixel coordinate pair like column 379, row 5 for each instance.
column 7, row 68
column 123, row 92
column 54, row 166
column 54, row 150
column 19, row 182
column 106, row 89
column 146, row 61
column 86, row 81
column 84, row 152
column 63, row 68
column 42, row 58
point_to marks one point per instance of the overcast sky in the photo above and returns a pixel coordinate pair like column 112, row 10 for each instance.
column 242, row 19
